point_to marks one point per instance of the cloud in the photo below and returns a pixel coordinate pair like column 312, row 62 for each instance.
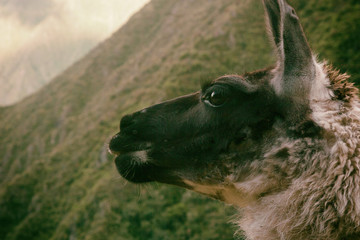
column 15, row 35
column 99, row 18
column 31, row 23
column 29, row 12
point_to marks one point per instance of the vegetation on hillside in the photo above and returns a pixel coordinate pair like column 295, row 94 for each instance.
column 57, row 180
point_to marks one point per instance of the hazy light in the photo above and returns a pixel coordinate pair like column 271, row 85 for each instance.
column 38, row 21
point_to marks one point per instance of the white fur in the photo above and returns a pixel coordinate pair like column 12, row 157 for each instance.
column 320, row 88
column 141, row 156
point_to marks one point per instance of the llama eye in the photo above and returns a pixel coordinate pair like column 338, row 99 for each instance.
column 216, row 99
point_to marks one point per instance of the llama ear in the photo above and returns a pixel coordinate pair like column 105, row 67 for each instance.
column 295, row 67
column 273, row 17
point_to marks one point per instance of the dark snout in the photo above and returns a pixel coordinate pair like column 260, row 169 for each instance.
column 127, row 139
column 156, row 124
column 144, row 135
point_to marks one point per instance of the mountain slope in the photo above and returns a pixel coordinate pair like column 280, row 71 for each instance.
column 31, row 68
column 57, row 180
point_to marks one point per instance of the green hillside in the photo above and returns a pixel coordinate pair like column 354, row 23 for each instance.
column 57, row 180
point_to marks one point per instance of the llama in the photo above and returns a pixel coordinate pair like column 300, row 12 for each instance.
column 282, row 144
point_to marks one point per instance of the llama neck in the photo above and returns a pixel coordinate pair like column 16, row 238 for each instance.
column 317, row 204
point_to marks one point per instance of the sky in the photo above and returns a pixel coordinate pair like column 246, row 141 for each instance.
column 26, row 23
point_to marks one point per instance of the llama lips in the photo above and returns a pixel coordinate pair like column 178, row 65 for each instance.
column 132, row 162
column 132, row 167
column 131, row 158
column 120, row 144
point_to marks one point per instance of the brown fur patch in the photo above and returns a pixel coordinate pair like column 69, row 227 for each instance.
column 343, row 89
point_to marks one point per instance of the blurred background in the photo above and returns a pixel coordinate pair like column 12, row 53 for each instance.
column 70, row 69
column 41, row 38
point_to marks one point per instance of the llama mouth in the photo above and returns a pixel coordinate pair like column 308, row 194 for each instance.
column 131, row 158
column 122, row 144
column 137, row 171
column 133, row 167
column 134, row 163
column 138, row 150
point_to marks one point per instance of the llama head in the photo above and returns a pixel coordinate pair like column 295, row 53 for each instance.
column 223, row 140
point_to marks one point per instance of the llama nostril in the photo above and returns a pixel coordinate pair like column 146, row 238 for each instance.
column 126, row 121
